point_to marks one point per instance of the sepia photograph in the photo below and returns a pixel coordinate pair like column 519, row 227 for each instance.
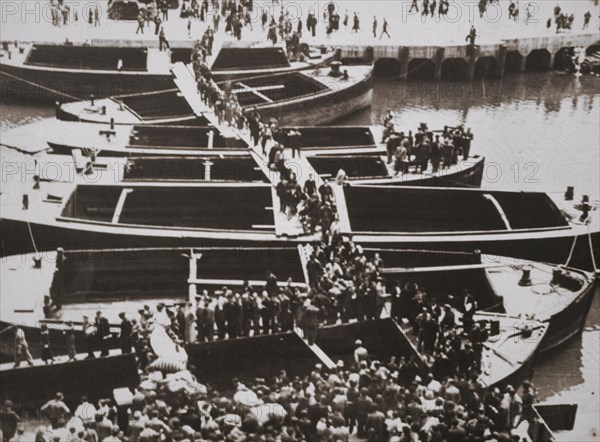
column 299, row 220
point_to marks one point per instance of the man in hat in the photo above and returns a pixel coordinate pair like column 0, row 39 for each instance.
column 89, row 335
column 102, row 333
column 310, row 322
column 205, row 317
column 294, row 141
column 125, row 334
column 466, row 143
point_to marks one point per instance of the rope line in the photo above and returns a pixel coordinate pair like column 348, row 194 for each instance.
column 32, row 239
column 592, row 249
column 31, row 83
column 571, row 252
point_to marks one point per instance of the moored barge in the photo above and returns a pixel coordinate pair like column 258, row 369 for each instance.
column 314, row 97
column 39, row 73
column 194, row 214
column 115, row 281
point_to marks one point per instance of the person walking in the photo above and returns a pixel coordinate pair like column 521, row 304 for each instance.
column 414, row 6
column 21, row 348
column 374, row 27
column 471, row 36
column 294, row 140
column 586, row 19
column 157, row 23
column 47, row 355
column 356, row 23
column 141, row 21
column 384, row 30
column 162, row 40
column 165, row 10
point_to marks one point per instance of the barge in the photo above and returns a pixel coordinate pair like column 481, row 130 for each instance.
column 115, row 281
column 45, row 73
column 312, row 97
column 168, row 214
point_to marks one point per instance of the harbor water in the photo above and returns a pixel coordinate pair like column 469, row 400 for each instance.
column 538, row 132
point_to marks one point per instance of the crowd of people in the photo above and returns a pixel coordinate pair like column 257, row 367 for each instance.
column 233, row 17
column 440, row 149
column 436, row 397
column 364, row 398
column 289, row 27
column 375, row 401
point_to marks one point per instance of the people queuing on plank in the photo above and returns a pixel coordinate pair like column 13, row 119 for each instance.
column 440, row 149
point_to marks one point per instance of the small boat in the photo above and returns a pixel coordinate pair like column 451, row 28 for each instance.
column 72, row 72
column 294, row 98
column 84, row 281
column 172, row 214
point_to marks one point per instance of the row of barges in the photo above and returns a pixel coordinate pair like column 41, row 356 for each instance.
column 134, row 187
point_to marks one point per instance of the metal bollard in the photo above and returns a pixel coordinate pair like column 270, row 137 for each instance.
column 569, row 193
column 526, row 277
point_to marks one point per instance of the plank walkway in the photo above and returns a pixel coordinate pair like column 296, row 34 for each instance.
column 284, row 225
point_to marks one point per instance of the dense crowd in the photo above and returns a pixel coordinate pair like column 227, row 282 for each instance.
column 435, row 398
column 366, row 398
column 440, row 149
column 376, row 401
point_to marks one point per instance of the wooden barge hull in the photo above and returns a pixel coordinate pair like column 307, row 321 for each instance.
column 302, row 100
column 322, row 108
column 219, row 361
column 48, row 81
column 16, row 239
column 19, row 84
column 569, row 322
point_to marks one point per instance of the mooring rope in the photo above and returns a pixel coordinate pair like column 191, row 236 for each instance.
column 592, row 249
column 572, row 250
column 31, row 83
column 32, row 239
column 11, row 326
